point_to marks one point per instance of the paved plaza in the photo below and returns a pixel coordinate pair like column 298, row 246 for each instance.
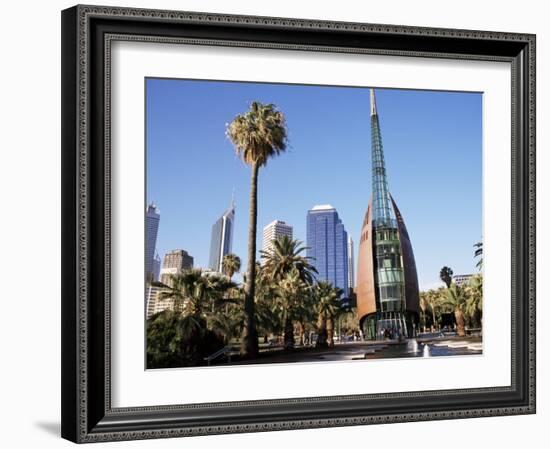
column 419, row 347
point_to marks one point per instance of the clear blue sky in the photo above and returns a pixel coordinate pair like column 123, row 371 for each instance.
column 432, row 144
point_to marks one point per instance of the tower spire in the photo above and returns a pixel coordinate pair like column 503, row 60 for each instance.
column 233, row 198
column 382, row 211
column 372, row 103
column 387, row 283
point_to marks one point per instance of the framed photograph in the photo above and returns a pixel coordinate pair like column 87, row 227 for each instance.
column 284, row 223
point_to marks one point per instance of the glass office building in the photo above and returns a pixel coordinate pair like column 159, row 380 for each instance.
column 152, row 220
column 327, row 243
column 221, row 240
column 387, row 283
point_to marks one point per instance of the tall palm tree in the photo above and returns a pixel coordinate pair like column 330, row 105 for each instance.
column 433, row 298
column 305, row 313
column 164, row 340
column 335, row 311
column 231, row 264
column 327, row 307
column 479, row 253
column 269, row 316
column 187, row 290
column 285, row 256
column 446, row 275
column 219, row 287
column 227, row 322
column 267, row 309
column 292, row 290
column 474, row 304
column 349, row 323
column 195, row 293
column 196, row 298
column 258, row 135
column 456, row 298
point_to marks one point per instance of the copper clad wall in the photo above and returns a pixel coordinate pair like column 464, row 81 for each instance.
column 366, row 298
column 409, row 265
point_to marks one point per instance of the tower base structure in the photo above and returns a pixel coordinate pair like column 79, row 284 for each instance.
column 381, row 325
column 375, row 320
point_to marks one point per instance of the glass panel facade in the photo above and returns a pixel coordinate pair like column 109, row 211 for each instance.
column 221, row 240
column 152, row 227
column 215, row 244
column 327, row 246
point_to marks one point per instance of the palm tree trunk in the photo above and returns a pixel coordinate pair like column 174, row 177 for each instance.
column 460, row 322
column 289, row 334
column 433, row 317
column 321, row 332
column 302, row 332
column 477, row 318
column 330, row 332
column 249, row 341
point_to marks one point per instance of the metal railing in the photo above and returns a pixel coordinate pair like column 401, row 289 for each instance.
column 226, row 350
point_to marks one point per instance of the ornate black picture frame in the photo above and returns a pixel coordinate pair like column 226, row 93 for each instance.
column 87, row 33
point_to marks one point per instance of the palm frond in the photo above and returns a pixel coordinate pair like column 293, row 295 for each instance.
column 258, row 134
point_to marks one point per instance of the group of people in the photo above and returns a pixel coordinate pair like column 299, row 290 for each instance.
column 390, row 334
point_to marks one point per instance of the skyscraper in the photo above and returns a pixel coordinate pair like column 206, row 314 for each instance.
column 151, row 230
column 157, row 263
column 351, row 269
column 387, row 283
column 272, row 231
column 327, row 243
column 154, row 303
column 221, row 241
column 175, row 262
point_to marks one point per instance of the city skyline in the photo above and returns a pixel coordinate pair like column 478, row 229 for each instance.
column 177, row 107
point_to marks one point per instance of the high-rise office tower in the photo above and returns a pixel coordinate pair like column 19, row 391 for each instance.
column 387, row 283
column 221, row 240
column 351, row 269
column 151, row 231
column 272, row 231
column 157, row 264
column 174, row 262
column 154, row 303
column 327, row 243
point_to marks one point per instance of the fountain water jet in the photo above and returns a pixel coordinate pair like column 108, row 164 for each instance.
column 412, row 345
column 427, row 351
